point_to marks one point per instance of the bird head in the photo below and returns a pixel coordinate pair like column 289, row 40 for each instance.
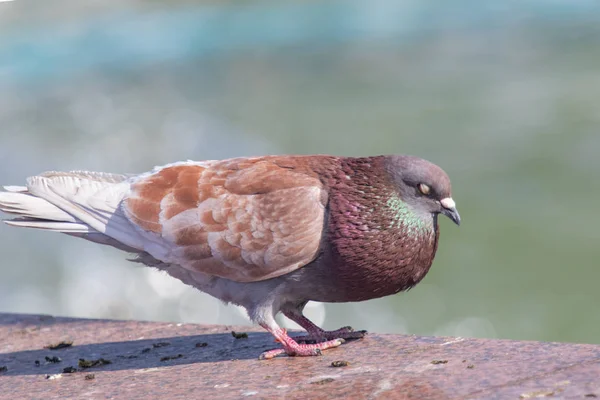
column 423, row 185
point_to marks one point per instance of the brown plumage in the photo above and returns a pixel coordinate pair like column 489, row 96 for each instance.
column 267, row 233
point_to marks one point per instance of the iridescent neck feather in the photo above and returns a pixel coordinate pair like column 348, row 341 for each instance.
column 404, row 217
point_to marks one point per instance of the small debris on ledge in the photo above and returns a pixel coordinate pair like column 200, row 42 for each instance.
column 340, row 363
column 168, row 358
column 60, row 345
column 239, row 335
column 83, row 363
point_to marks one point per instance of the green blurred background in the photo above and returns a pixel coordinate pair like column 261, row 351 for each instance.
column 505, row 96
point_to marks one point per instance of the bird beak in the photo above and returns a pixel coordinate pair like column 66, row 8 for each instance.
column 449, row 210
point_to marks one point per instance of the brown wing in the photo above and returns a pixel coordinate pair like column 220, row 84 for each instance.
column 241, row 219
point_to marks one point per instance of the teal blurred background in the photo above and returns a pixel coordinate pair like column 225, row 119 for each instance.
column 505, row 96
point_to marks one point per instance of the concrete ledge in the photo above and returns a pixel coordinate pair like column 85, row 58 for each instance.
column 170, row 361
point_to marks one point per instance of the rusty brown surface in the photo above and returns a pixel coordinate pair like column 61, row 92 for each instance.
column 161, row 360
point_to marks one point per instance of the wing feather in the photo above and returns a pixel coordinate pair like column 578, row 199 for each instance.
column 241, row 219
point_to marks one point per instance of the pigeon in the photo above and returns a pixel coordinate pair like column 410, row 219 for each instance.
column 267, row 233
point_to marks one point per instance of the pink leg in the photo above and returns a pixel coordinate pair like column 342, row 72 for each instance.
column 292, row 348
column 316, row 334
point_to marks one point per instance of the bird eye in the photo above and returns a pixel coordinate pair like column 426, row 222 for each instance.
column 423, row 188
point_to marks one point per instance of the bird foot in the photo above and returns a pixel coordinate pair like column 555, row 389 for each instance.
column 346, row 333
column 293, row 348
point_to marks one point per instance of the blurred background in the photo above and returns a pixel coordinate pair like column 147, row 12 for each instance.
column 505, row 96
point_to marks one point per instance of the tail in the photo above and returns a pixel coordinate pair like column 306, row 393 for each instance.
column 79, row 203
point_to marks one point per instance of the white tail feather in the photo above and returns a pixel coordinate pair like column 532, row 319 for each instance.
column 15, row 189
column 26, row 205
column 64, row 227
column 78, row 203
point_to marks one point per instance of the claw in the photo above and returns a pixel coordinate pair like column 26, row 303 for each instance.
column 292, row 348
column 312, row 344
column 267, row 355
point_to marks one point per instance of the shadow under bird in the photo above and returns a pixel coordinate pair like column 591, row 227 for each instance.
column 266, row 233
